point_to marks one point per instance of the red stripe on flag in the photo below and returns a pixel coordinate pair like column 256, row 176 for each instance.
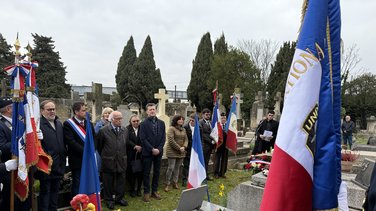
column 93, row 200
column 288, row 187
column 231, row 142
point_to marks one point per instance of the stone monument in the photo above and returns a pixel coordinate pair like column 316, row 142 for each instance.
column 257, row 111
column 162, row 97
column 277, row 106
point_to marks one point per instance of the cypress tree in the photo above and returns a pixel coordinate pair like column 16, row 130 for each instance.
column 125, row 68
column 220, row 46
column 198, row 91
column 6, row 57
column 51, row 71
column 145, row 80
column 279, row 72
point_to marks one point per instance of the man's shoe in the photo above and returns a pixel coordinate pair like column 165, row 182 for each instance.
column 167, row 188
column 176, row 186
column 123, row 202
column 184, row 184
column 216, row 176
column 111, row 205
column 209, row 179
column 224, row 176
column 146, row 198
column 156, row 196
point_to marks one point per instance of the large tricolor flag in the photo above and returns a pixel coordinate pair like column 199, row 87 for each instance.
column 89, row 180
column 197, row 172
column 217, row 131
column 231, row 128
column 306, row 149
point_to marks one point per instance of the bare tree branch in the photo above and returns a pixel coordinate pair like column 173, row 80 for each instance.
column 262, row 54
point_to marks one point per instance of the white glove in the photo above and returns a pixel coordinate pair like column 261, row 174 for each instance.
column 11, row 165
column 40, row 135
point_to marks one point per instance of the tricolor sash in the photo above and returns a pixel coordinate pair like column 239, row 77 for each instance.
column 78, row 128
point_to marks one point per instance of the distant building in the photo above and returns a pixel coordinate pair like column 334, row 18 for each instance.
column 82, row 89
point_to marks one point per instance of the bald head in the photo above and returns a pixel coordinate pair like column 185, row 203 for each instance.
column 115, row 118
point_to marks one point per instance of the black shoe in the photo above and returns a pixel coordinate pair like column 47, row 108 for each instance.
column 122, row 202
column 184, row 184
column 139, row 193
column 133, row 194
column 209, row 179
column 110, row 205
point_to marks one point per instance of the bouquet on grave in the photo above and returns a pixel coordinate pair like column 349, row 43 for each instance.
column 258, row 163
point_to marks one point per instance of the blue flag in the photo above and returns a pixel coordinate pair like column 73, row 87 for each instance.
column 327, row 171
column 89, row 180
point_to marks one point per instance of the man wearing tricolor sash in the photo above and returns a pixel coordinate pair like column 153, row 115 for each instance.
column 74, row 139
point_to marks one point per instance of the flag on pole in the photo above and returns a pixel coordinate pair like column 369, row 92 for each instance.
column 89, row 179
column 306, row 135
column 197, row 172
column 217, row 131
column 231, row 128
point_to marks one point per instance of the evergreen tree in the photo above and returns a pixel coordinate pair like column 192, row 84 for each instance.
column 51, row 71
column 236, row 70
column 6, row 57
column 145, row 80
column 279, row 72
column 125, row 68
column 220, row 46
column 198, row 91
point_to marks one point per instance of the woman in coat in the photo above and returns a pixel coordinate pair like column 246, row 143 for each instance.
column 177, row 142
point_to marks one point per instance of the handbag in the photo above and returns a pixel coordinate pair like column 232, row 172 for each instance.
column 136, row 164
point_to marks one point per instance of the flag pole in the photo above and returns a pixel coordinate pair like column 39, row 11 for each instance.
column 12, row 191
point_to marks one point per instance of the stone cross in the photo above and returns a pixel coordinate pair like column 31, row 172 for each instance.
column 277, row 106
column 162, row 97
column 238, row 102
column 96, row 99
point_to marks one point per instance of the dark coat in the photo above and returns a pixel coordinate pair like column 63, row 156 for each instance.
column 271, row 125
column 53, row 145
column 152, row 139
column 206, row 139
column 370, row 203
column 132, row 141
column 75, row 145
column 112, row 148
column 5, row 139
column 189, row 136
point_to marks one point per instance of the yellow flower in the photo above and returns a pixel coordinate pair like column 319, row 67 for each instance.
column 221, row 193
column 258, row 165
column 222, row 187
column 253, row 164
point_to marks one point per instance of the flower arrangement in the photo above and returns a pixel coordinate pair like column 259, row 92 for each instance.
column 222, row 195
column 348, row 155
column 258, row 163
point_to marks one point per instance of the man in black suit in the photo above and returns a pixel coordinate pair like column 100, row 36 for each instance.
column 52, row 143
column 189, row 128
column 153, row 138
column 134, row 150
column 265, row 143
column 6, row 109
column 74, row 138
column 208, row 142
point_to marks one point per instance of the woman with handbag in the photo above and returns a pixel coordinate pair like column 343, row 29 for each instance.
column 134, row 149
column 177, row 142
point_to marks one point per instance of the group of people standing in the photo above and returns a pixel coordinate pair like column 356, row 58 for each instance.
column 119, row 149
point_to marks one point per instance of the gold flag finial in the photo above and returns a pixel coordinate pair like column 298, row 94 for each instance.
column 17, row 54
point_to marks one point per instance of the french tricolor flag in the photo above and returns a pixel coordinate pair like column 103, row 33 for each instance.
column 197, row 172
column 89, row 180
column 231, row 128
column 217, row 132
column 304, row 170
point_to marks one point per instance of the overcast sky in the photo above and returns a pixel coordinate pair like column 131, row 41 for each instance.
column 90, row 35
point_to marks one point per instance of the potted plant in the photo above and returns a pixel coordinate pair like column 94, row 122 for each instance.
column 347, row 159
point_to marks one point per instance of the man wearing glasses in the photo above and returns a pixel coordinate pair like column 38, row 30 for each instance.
column 208, row 142
column 52, row 141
